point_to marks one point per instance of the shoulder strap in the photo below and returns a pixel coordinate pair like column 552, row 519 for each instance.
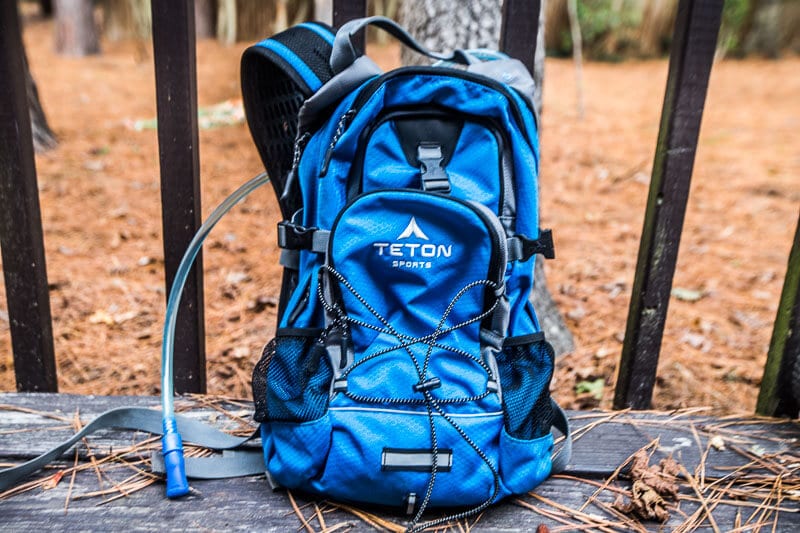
column 278, row 75
column 241, row 462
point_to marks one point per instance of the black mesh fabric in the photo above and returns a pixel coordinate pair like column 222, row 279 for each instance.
column 525, row 370
column 260, row 382
column 273, row 92
column 292, row 380
column 311, row 48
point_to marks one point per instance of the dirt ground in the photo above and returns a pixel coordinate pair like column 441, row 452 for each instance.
column 101, row 215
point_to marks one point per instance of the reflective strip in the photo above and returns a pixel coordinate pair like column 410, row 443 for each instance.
column 415, row 460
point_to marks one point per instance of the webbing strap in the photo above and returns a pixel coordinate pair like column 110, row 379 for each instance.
column 232, row 463
column 142, row 419
column 561, row 423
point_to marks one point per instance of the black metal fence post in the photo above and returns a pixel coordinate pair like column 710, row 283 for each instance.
column 520, row 29
column 344, row 10
column 776, row 396
column 21, row 237
column 694, row 43
column 176, row 94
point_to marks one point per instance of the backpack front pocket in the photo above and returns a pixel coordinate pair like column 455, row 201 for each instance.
column 415, row 287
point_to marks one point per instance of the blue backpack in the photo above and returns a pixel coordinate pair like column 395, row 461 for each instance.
column 408, row 368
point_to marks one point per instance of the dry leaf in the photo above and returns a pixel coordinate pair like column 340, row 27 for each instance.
column 652, row 486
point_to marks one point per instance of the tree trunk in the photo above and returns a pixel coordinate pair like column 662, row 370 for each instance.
column 126, row 19
column 323, row 11
column 442, row 25
column 205, row 19
column 76, row 32
column 43, row 137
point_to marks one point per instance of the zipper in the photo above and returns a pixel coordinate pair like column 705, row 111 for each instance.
column 291, row 177
column 356, row 177
column 499, row 255
column 341, row 127
column 302, row 303
column 370, row 88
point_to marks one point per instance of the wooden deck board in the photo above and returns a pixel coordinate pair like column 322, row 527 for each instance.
column 248, row 503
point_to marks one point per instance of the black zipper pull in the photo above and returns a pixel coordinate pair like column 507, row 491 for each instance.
column 340, row 129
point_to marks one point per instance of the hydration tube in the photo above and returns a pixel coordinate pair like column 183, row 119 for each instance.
column 171, row 444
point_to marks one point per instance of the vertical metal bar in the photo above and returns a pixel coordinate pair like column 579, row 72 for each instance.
column 176, row 94
column 783, row 359
column 694, row 43
column 21, row 237
column 344, row 10
column 519, row 30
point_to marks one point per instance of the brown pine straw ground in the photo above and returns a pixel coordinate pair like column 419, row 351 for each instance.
column 101, row 217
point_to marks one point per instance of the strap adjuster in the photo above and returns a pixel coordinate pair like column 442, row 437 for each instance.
column 522, row 248
column 296, row 237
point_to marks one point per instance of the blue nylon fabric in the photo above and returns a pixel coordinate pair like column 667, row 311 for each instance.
column 305, row 72
column 474, row 168
column 339, row 454
column 472, row 98
column 394, row 277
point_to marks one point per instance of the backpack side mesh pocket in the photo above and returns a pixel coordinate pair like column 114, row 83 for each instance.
column 291, row 381
column 526, row 366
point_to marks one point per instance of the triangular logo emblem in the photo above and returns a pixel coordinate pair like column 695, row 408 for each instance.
column 412, row 229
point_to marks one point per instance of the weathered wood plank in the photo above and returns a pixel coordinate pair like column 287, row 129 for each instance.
column 178, row 143
column 693, row 48
column 21, row 239
column 776, row 396
column 247, row 503
column 610, row 439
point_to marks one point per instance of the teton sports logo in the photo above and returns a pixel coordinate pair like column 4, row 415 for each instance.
column 412, row 254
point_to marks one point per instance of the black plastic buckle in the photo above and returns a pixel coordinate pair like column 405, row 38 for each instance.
column 434, row 177
column 543, row 245
column 294, row 237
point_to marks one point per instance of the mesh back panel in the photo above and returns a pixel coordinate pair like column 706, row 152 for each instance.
column 273, row 93
column 525, row 371
column 292, row 380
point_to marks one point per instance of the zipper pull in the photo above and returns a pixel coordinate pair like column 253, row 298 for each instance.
column 344, row 122
column 299, row 146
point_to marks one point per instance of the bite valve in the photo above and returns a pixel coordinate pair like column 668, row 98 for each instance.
column 174, row 466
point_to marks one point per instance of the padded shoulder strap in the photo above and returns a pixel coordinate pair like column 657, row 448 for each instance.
column 278, row 75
